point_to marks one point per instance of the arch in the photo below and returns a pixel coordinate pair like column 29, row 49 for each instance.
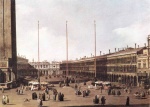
column 135, row 81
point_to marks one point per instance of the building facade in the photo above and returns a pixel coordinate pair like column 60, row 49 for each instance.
column 47, row 68
column 122, row 66
column 8, row 56
column 127, row 66
column 24, row 68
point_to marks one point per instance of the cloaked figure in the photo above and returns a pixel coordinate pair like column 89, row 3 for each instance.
column 127, row 101
column 103, row 100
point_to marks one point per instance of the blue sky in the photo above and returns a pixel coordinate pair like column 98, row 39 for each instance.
column 118, row 23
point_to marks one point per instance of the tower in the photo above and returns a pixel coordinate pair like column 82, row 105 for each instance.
column 148, row 41
column 8, row 56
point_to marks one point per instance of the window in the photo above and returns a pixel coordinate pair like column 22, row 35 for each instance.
column 139, row 65
column 144, row 65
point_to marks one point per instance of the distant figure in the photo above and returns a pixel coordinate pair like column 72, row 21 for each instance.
column 21, row 91
column 103, row 100
column 83, row 93
column 2, row 89
column 127, row 101
column 7, row 99
column 101, row 89
column 40, row 103
column 43, row 96
column 59, row 95
column 48, row 96
column 4, row 99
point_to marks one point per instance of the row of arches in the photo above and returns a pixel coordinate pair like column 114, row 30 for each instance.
column 129, row 80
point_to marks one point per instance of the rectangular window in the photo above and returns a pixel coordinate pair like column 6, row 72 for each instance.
column 139, row 65
column 144, row 65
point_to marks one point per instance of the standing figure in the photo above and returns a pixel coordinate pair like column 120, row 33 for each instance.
column 127, row 101
column 59, row 96
column 7, row 99
column 2, row 89
column 101, row 89
column 4, row 100
column 43, row 96
column 103, row 100
column 40, row 103
column 83, row 93
column 48, row 96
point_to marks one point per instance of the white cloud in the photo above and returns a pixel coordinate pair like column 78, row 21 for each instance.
column 136, row 32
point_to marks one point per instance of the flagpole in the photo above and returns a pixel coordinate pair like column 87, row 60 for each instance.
column 66, row 50
column 95, row 44
column 38, row 55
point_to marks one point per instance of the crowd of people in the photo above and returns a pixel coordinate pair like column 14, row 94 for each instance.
column 44, row 95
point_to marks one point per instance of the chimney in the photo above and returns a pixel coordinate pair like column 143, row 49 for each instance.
column 100, row 52
column 109, row 51
column 115, row 49
column 135, row 45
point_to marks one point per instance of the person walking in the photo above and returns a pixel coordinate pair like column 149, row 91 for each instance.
column 40, row 103
column 127, row 101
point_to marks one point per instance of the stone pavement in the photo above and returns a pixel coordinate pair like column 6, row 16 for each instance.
column 70, row 99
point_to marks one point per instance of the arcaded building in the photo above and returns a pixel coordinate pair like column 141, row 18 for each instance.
column 122, row 66
column 128, row 66
column 8, row 56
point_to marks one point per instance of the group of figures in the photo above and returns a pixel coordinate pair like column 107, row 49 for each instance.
column 114, row 92
column 84, row 93
column 42, row 96
column 5, row 99
column 103, row 100
column 19, row 91
column 140, row 94
column 60, row 95
column 96, row 100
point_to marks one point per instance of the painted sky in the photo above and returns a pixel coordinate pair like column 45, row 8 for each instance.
column 118, row 23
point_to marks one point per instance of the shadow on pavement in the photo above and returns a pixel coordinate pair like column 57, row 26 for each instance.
column 11, row 104
column 98, row 105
